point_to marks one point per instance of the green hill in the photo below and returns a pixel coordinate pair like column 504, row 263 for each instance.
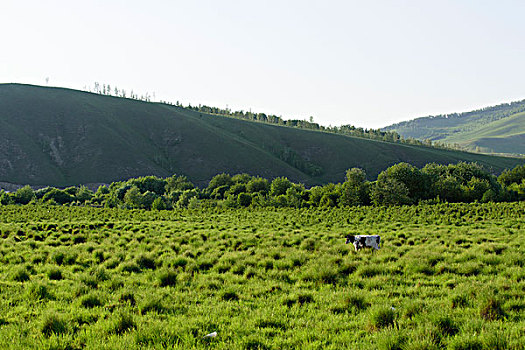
column 60, row 137
column 498, row 129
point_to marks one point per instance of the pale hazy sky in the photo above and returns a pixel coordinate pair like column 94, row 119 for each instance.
column 365, row 63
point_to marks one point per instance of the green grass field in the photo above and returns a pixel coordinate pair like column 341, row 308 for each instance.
column 448, row 276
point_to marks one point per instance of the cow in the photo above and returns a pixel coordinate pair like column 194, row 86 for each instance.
column 364, row 241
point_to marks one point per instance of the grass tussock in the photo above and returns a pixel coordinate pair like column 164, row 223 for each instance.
column 280, row 278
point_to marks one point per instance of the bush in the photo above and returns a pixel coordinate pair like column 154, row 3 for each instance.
column 24, row 195
column 158, row 204
column 58, row 196
column 244, row 199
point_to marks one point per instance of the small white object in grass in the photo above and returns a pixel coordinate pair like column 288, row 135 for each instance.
column 213, row 334
column 393, row 308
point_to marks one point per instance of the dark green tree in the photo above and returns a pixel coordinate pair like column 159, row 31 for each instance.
column 389, row 191
column 279, row 186
column 244, row 199
column 24, row 195
column 416, row 182
column 258, row 185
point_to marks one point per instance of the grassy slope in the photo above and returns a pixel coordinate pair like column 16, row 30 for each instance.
column 497, row 129
column 505, row 135
column 53, row 136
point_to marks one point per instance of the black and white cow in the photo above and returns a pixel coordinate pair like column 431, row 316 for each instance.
column 364, row 241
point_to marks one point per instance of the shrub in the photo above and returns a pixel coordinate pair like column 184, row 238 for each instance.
column 244, row 199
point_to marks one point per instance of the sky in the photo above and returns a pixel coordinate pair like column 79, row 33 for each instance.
column 365, row 63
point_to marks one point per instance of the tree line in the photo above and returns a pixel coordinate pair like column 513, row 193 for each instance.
column 400, row 184
column 349, row 130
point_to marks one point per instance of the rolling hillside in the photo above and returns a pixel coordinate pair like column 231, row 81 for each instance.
column 498, row 129
column 60, row 137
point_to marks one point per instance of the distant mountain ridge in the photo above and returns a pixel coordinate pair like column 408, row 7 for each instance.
column 497, row 129
column 61, row 137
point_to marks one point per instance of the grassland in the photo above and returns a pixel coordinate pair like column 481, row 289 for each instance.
column 63, row 137
column 498, row 129
column 448, row 276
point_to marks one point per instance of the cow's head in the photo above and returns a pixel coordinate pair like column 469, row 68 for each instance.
column 350, row 239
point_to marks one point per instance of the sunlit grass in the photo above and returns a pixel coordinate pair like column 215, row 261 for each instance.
column 262, row 279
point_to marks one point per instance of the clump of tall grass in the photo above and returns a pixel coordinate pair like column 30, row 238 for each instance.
column 123, row 323
column 491, row 309
column 146, row 262
column 229, row 295
column 354, row 302
column 90, row 301
column 413, row 308
column 466, row 342
column 381, row 317
column 167, row 278
column 459, row 300
column 54, row 324
column 153, row 304
column 127, row 298
column 20, row 275
column 445, row 324
column 391, row 339
column 300, row 299
column 55, row 274
column 39, row 291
